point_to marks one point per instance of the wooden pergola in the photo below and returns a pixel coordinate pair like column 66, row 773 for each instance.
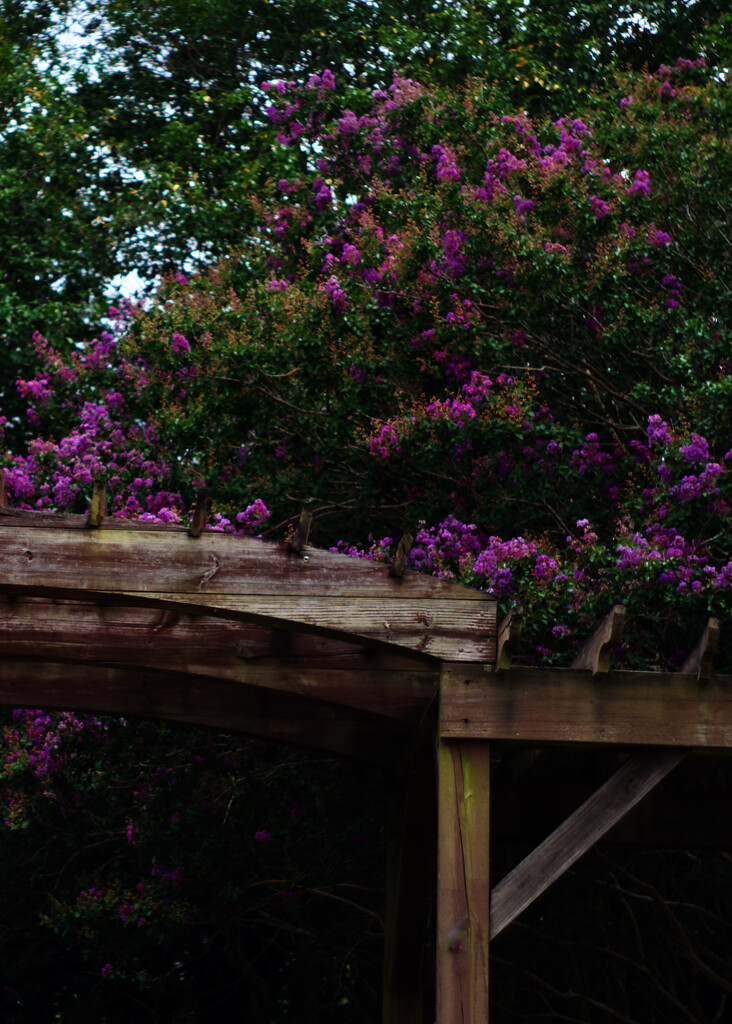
column 405, row 671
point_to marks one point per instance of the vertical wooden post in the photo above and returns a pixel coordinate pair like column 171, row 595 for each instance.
column 463, row 894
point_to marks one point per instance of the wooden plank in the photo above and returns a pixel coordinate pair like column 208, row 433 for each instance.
column 216, row 563
column 253, row 580
column 463, row 899
column 595, row 654
column 578, row 834
column 27, row 518
column 438, row 629
column 216, row 704
column 567, row 706
column 386, row 684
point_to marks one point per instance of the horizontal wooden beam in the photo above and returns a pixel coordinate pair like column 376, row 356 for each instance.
column 569, row 706
column 251, row 580
column 391, row 685
column 201, row 701
column 575, row 836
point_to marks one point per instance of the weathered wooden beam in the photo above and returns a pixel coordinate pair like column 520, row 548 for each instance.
column 4, row 503
column 393, row 685
column 463, row 899
column 216, row 704
column 578, row 834
column 701, row 659
column 31, row 519
column 509, row 633
column 555, row 705
column 252, row 580
column 595, row 654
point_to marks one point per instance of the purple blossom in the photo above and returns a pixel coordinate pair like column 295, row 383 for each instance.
column 254, row 515
column 523, row 206
column 180, row 343
column 658, row 239
column 696, row 451
column 657, row 431
column 641, row 184
column 338, row 297
column 599, row 207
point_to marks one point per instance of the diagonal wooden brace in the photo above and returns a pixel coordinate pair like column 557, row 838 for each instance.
column 578, row 834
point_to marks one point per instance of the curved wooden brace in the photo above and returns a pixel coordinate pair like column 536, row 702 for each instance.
column 390, row 685
column 200, row 700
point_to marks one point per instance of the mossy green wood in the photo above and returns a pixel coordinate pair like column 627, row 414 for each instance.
column 463, row 894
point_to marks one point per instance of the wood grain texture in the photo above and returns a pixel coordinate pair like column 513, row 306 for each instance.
column 509, row 634
column 463, row 895
column 595, row 653
column 252, row 580
column 202, row 701
column 568, row 706
column 575, row 836
column 395, row 686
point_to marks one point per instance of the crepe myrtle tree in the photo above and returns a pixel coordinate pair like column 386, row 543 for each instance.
column 509, row 336
column 452, row 315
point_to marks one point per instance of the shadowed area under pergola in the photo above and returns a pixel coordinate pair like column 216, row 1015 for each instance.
column 367, row 661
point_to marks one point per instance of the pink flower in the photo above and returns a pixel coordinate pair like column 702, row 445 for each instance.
column 180, row 343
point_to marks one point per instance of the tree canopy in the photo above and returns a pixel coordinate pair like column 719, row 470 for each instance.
column 137, row 147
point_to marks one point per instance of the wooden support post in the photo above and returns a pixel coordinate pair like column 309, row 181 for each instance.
column 578, row 833
column 463, row 894
column 410, row 872
column 4, row 503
